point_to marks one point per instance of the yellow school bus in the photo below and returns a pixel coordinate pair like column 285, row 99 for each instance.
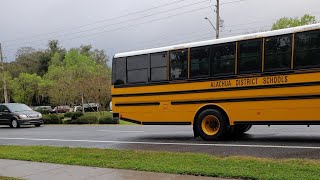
column 222, row 87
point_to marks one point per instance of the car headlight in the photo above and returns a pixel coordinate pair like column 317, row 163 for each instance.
column 23, row 116
column 40, row 115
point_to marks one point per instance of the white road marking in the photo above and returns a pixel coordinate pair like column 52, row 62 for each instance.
column 165, row 143
column 121, row 131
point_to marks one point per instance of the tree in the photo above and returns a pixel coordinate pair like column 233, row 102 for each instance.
column 286, row 22
column 26, row 89
column 78, row 73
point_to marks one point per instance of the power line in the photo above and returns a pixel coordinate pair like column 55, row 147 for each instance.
column 129, row 26
column 162, row 12
column 97, row 22
column 232, row 2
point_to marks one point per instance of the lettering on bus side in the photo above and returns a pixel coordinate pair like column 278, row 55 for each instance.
column 250, row 81
column 275, row 80
column 221, row 84
column 247, row 82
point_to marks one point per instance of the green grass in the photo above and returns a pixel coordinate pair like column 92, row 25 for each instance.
column 122, row 122
column 9, row 178
column 168, row 162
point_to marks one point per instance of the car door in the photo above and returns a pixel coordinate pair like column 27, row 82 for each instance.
column 5, row 115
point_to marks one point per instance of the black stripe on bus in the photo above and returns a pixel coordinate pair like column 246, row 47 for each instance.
column 220, row 89
column 155, row 123
column 317, row 96
column 291, row 122
column 138, row 104
column 166, row 123
column 131, row 120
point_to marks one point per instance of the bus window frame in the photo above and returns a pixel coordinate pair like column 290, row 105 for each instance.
column 209, row 60
column 148, row 69
column 235, row 60
column 303, row 68
column 169, row 57
column 246, row 73
column 150, row 55
column 291, row 54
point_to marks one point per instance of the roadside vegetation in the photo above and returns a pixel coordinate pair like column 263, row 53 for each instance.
column 168, row 162
column 56, row 76
column 102, row 117
column 9, row 178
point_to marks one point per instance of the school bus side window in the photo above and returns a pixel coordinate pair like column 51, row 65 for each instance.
column 250, row 59
column 278, row 53
column 138, row 69
column 159, row 66
column 223, row 59
column 120, row 71
column 179, row 64
column 307, row 49
column 199, row 61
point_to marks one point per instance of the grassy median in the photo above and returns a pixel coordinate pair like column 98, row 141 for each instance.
column 168, row 162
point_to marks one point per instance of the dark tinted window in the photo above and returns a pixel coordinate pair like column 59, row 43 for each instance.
column 3, row 108
column 179, row 64
column 138, row 76
column 137, row 62
column 307, row 49
column 249, row 59
column 278, row 53
column 222, row 59
column 199, row 61
column 159, row 66
column 120, row 71
column 159, row 59
column 138, row 67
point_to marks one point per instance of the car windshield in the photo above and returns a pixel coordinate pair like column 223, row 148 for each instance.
column 18, row 107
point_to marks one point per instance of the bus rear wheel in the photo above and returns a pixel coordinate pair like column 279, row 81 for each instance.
column 211, row 125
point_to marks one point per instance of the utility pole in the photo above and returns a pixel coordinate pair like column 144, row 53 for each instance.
column 82, row 101
column 5, row 93
column 218, row 19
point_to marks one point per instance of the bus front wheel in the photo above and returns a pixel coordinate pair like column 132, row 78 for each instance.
column 211, row 125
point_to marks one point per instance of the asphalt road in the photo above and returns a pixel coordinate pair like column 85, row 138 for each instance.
column 260, row 141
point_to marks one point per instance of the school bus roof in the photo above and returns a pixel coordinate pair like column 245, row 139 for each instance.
column 221, row 41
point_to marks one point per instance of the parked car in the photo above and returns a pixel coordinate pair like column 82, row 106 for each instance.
column 16, row 114
column 88, row 107
column 44, row 109
column 61, row 109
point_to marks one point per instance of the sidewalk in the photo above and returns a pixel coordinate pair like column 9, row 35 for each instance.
column 47, row 171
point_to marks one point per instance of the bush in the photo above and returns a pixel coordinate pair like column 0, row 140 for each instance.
column 83, row 120
column 51, row 119
column 73, row 115
column 44, row 111
column 107, row 120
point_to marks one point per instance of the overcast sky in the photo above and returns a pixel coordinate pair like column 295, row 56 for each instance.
column 125, row 25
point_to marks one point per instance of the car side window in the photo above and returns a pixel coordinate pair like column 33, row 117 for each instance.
column 3, row 108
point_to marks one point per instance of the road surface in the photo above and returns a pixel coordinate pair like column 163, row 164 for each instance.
column 260, row 141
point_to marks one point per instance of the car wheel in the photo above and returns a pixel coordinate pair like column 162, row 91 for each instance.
column 14, row 123
column 37, row 125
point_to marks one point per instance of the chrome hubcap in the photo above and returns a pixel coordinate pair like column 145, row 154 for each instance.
column 14, row 123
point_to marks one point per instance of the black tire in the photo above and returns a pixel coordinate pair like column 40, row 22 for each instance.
column 37, row 125
column 14, row 123
column 212, row 125
column 240, row 129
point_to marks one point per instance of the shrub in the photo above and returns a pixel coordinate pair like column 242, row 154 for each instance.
column 84, row 120
column 107, row 120
column 44, row 111
column 51, row 119
column 73, row 115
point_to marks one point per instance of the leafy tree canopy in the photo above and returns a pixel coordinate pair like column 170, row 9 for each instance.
column 287, row 22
